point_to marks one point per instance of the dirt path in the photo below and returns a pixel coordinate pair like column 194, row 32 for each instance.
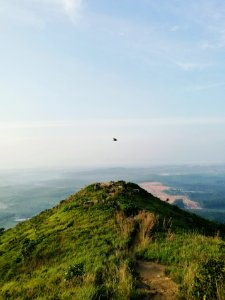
column 154, row 283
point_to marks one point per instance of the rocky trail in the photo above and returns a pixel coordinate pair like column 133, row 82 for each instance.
column 154, row 283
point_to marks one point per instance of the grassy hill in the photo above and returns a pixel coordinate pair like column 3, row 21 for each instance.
column 86, row 248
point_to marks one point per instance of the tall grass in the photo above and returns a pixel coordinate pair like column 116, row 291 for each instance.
column 188, row 257
column 137, row 230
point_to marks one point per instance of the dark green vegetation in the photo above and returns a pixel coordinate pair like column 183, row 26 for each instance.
column 85, row 248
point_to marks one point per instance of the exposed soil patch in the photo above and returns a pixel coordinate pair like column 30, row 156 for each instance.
column 154, row 283
column 157, row 189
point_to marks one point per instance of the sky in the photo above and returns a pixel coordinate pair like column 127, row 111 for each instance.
column 76, row 73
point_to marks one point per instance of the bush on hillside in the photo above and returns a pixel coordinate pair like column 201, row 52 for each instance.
column 27, row 248
column 209, row 280
column 74, row 271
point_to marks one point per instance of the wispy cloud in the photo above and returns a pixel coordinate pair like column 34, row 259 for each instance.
column 175, row 28
column 191, row 66
column 12, row 12
column 209, row 18
column 38, row 12
column 73, row 8
column 206, row 86
column 118, row 123
column 178, row 41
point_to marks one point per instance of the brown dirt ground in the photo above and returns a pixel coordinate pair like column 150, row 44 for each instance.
column 157, row 189
column 154, row 283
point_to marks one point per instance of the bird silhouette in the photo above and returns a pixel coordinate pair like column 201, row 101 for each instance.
column 114, row 140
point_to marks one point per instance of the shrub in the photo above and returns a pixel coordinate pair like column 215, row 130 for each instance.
column 103, row 293
column 128, row 208
column 27, row 248
column 209, row 279
column 74, row 271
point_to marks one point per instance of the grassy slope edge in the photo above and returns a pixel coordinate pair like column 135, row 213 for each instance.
column 85, row 247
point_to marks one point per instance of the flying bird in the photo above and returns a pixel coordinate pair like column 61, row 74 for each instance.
column 114, row 140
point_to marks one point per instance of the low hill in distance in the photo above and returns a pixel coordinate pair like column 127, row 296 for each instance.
column 91, row 246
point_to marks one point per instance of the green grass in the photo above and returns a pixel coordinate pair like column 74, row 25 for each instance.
column 85, row 247
column 184, row 254
column 36, row 254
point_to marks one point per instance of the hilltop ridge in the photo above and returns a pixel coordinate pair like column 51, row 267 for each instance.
column 87, row 245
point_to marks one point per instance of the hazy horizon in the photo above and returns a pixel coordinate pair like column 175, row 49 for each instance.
column 93, row 167
column 76, row 73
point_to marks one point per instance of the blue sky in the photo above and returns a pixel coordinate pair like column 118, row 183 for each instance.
column 75, row 73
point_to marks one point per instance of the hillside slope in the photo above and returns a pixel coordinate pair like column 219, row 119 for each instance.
column 86, row 247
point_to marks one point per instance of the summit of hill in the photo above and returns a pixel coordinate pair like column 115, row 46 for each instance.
column 92, row 244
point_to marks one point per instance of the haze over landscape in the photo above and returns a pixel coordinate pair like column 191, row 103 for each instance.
column 75, row 73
